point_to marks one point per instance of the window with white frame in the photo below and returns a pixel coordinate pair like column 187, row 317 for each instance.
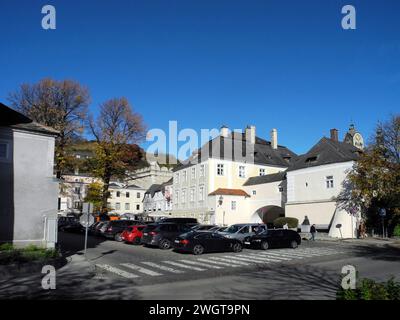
column 193, row 173
column 220, row 169
column 202, row 169
column 233, row 205
column 184, row 178
column 138, row 207
column 177, row 197
column 183, row 196
column 254, row 192
column 138, row 195
column 118, row 194
column 242, row 171
column 177, row 178
column 201, row 193
column 127, row 206
column 117, row 206
column 127, row 195
column 262, row 172
column 191, row 195
column 329, row 182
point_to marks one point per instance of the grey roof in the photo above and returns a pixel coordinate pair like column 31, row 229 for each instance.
column 15, row 119
column 155, row 188
column 326, row 151
column 263, row 154
column 273, row 177
column 133, row 186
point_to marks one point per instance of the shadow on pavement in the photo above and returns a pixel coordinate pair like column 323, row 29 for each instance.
column 72, row 243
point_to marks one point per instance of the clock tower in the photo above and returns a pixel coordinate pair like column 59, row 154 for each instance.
column 354, row 137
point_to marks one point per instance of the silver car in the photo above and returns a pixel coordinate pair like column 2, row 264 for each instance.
column 243, row 230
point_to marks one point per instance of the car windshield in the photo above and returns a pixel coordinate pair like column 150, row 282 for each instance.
column 233, row 229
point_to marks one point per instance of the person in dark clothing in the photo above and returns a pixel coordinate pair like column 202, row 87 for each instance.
column 313, row 230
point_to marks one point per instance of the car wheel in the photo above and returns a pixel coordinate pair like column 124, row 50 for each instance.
column 117, row 237
column 237, row 247
column 265, row 245
column 136, row 241
column 294, row 244
column 165, row 244
column 198, row 249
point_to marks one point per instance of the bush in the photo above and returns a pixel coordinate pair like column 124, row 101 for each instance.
column 280, row 222
column 9, row 254
column 6, row 247
column 396, row 231
column 371, row 290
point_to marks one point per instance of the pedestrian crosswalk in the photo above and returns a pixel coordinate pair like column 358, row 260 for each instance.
column 211, row 262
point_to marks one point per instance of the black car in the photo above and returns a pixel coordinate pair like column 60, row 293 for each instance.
column 203, row 227
column 275, row 238
column 113, row 229
column 163, row 234
column 204, row 241
column 70, row 224
column 191, row 222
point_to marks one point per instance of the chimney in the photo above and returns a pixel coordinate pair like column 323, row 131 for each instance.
column 274, row 139
column 224, row 131
column 334, row 135
column 250, row 133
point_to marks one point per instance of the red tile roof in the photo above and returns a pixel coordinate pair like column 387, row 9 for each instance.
column 229, row 192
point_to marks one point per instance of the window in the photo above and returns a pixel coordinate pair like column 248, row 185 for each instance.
column 138, row 207
column 192, row 194
column 177, row 178
column 77, row 205
column 138, row 195
column 254, row 192
column 220, row 169
column 329, row 182
column 3, row 150
column 127, row 195
column 118, row 194
column 77, row 190
column 311, row 159
column 127, row 206
column 262, row 172
column 201, row 193
column 202, row 170
column 184, row 176
column 177, row 197
column 193, row 173
column 183, row 196
column 242, row 171
column 233, row 205
column 117, row 206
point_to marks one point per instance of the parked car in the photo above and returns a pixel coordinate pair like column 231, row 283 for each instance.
column 191, row 222
column 203, row 227
column 133, row 234
column 114, row 229
column 275, row 238
column 205, row 241
column 163, row 234
column 243, row 231
column 96, row 227
column 70, row 224
column 217, row 229
column 64, row 221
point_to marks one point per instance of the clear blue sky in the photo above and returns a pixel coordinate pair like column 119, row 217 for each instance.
column 282, row 64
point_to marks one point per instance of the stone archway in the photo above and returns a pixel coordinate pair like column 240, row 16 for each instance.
column 268, row 214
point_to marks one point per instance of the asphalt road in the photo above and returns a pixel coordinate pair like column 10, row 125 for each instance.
column 311, row 271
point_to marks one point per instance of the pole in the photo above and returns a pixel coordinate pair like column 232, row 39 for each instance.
column 86, row 231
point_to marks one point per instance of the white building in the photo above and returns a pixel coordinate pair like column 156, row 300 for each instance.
column 28, row 197
column 147, row 176
column 220, row 170
column 125, row 198
column 316, row 179
column 158, row 199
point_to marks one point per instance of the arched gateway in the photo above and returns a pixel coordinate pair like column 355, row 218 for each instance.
column 268, row 214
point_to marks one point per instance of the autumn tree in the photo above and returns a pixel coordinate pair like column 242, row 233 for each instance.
column 95, row 195
column 117, row 130
column 61, row 105
column 374, row 181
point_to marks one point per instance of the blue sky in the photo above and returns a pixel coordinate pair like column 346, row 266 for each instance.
column 274, row 64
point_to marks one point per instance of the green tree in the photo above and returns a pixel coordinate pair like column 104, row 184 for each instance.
column 374, row 181
column 117, row 129
column 61, row 105
column 95, row 195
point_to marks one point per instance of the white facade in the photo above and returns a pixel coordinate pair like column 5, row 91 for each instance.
column 312, row 192
column 153, row 174
column 125, row 199
column 158, row 200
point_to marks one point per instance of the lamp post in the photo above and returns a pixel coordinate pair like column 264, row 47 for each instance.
column 220, row 201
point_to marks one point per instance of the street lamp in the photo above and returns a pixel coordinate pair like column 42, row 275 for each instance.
column 220, row 201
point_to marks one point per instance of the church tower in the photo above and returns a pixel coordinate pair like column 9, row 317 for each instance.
column 354, row 137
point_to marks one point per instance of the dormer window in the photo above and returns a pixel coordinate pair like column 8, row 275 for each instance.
column 311, row 159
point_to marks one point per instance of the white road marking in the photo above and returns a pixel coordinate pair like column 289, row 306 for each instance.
column 230, row 261
column 197, row 263
column 217, row 263
column 181, row 265
column 155, row 265
column 251, row 259
column 275, row 255
column 141, row 270
column 117, row 271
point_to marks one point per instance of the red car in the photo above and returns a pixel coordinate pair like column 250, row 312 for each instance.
column 133, row 234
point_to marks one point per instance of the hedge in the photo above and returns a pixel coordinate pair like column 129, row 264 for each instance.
column 280, row 222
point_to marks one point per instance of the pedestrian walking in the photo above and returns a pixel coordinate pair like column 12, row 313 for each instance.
column 313, row 231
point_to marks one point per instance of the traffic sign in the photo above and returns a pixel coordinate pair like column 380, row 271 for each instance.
column 86, row 219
